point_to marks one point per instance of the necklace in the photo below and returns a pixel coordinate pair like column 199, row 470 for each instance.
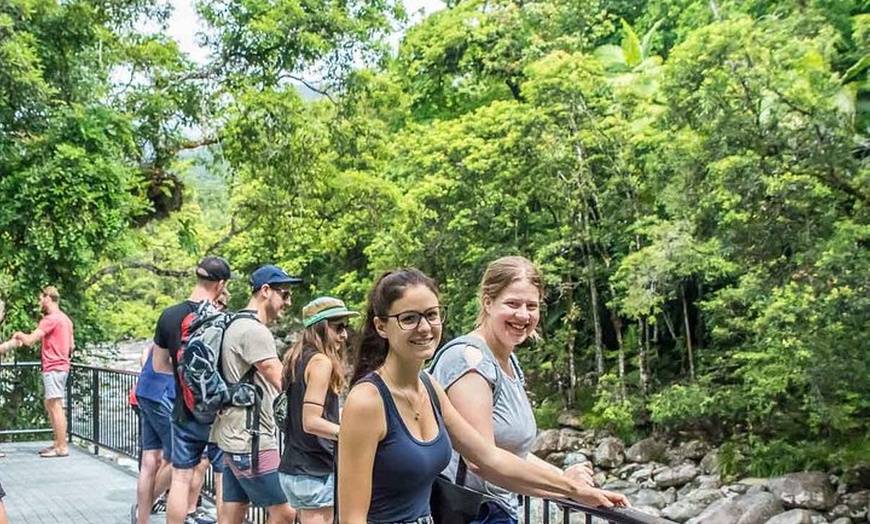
column 405, row 396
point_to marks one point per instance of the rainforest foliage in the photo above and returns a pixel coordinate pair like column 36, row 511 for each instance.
column 693, row 177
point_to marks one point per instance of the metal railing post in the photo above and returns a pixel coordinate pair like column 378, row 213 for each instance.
column 95, row 409
column 69, row 403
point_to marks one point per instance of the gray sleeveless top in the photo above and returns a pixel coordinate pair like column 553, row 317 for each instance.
column 513, row 421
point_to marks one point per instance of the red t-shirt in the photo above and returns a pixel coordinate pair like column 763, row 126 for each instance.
column 57, row 341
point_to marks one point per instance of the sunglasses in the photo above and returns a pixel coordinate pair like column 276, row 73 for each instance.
column 338, row 327
column 285, row 293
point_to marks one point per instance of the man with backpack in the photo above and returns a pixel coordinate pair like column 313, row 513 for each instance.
column 189, row 438
column 247, row 435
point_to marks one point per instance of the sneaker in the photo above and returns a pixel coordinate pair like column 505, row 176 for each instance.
column 159, row 505
column 199, row 517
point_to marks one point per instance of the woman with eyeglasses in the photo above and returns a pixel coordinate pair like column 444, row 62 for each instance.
column 394, row 441
column 484, row 381
column 313, row 377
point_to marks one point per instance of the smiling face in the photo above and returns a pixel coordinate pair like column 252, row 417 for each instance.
column 513, row 314
column 420, row 342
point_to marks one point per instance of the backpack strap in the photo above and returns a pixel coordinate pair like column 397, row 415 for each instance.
column 462, row 469
column 476, row 342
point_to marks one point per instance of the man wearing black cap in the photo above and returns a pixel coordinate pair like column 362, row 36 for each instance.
column 188, row 438
column 251, row 475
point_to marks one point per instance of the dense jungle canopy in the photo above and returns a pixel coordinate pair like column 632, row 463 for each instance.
column 691, row 175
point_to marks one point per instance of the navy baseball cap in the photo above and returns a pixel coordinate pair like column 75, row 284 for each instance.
column 214, row 268
column 271, row 275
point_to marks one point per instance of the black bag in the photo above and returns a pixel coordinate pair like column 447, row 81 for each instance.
column 451, row 502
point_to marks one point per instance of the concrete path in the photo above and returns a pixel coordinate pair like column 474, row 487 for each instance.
column 78, row 489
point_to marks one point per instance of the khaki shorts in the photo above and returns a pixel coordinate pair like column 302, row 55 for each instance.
column 55, row 383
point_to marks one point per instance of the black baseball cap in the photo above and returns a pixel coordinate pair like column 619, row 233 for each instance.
column 214, row 269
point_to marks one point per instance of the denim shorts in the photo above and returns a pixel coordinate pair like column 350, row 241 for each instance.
column 493, row 513
column 55, row 383
column 156, row 418
column 308, row 491
column 241, row 484
column 189, row 441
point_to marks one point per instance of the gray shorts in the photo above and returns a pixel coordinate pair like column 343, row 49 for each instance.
column 55, row 383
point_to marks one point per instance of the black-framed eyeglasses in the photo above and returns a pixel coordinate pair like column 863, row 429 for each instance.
column 409, row 320
column 338, row 327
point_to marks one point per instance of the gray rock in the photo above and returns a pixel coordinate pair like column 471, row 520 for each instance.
column 842, row 520
column 649, row 510
column 569, row 419
column 650, row 497
column 646, row 450
column 642, row 474
column 610, row 453
column 859, row 505
column 573, row 458
column 546, row 443
column 627, row 470
column 556, row 458
column 691, row 450
column 794, row 516
column 676, row 476
column 755, row 508
column 710, row 463
column 570, row 440
column 810, row 490
column 692, row 505
column 682, row 510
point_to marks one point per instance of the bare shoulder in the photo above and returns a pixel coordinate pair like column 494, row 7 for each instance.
column 364, row 415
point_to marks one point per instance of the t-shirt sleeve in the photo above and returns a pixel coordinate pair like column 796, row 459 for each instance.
column 259, row 346
column 460, row 359
column 48, row 323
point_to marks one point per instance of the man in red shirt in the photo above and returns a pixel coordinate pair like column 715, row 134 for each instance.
column 55, row 330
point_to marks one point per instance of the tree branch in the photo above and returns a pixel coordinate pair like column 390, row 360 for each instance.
column 111, row 270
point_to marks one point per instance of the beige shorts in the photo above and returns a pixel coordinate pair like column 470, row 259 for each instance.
column 55, row 383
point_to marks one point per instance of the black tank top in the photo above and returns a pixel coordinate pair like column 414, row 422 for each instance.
column 304, row 453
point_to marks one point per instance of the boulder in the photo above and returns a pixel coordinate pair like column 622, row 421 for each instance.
column 843, row 520
column 546, row 443
column 610, row 453
column 569, row 419
column 810, row 490
column 570, row 440
column 692, row 505
column 676, row 476
column 794, row 516
column 646, row 450
column 573, row 458
column 859, row 505
column 649, row 497
column 710, row 463
column 755, row 508
column 691, row 450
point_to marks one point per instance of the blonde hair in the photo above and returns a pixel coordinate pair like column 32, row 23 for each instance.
column 51, row 292
column 502, row 273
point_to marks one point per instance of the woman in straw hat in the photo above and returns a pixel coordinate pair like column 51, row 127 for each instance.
column 313, row 377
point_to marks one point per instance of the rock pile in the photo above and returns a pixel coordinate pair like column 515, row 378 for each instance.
column 683, row 483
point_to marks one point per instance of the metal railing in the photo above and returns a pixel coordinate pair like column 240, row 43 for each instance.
column 99, row 414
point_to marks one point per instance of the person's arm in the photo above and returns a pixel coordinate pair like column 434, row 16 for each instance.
column 28, row 339
column 513, row 473
column 363, row 425
column 318, row 374
column 9, row 345
column 471, row 395
column 271, row 369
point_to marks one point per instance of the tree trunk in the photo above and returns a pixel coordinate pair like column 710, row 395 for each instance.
column 596, row 322
column 688, row 327
column 617, row 327
column 642, row 355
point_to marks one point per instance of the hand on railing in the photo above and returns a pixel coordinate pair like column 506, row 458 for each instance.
column 581, row 473
column 595, row 497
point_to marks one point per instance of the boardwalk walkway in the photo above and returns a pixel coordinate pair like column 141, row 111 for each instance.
column 79, row 489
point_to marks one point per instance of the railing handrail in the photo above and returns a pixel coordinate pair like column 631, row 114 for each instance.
column 106, row 369
column 622, row 515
